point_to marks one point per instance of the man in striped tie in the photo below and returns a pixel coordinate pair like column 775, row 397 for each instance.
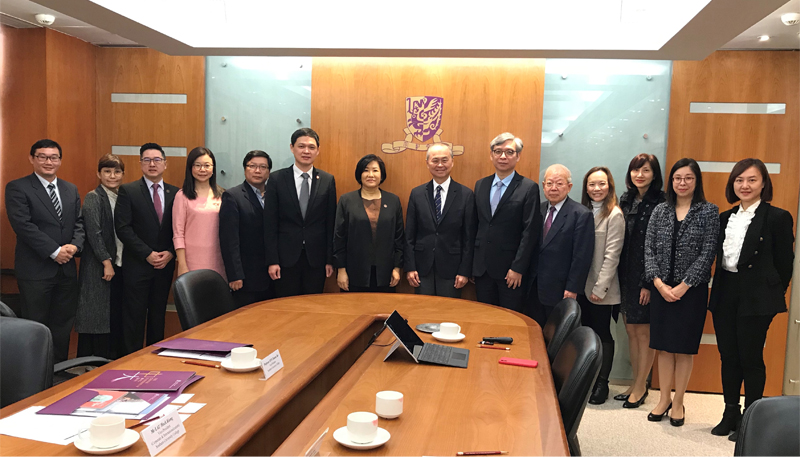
column 45, row 213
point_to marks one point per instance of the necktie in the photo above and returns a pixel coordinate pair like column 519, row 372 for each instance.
column 51, row 188
column 304, row 194
column 549, row 221
column 157, row 203
column 438, row 202
column 496, row 197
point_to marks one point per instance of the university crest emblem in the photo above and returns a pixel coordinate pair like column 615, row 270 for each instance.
column 423, row 122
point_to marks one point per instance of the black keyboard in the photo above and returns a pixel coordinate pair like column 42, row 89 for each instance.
column 434, row 353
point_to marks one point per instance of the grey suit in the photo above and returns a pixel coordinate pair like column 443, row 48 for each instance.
column 49, row 291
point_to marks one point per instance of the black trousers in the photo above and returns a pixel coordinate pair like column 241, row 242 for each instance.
column 740, row 341
column 242, row 298
column 301, row 278
column 434, row 285
column 145, row 304
column 110, row 345
column 373, row 285
column 52, row 302
column 597, row 317
column 496, row 292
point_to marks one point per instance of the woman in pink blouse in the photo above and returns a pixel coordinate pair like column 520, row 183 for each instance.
column 195, row 215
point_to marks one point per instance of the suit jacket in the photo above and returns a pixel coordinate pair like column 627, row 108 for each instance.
column 241, row 238
column 566, row 252
column 603, row 279
column 38, row 228
column 450, row 242
column 285, row 230
column 138, row 228
column 765, row 263
column 509, row 238
column 352, row 243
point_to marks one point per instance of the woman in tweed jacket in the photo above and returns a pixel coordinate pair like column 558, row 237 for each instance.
column 680, row 247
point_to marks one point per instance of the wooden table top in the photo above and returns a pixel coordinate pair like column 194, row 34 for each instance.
column 487, row 406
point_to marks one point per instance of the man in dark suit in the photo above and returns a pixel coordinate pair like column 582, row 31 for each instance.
column 241, row 232
column 507, row 206
column 440, row 229
column 143, row 218
column 299, row 215
column 567, row 246
column 45, row 213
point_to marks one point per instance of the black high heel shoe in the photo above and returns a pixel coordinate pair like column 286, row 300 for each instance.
column 653, row 417
column 680, row 421
column 635, row 405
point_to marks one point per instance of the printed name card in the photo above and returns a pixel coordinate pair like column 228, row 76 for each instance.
column 163, row 432
column 314, row 450
column 271, row 364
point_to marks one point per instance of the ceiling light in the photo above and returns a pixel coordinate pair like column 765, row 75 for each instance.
column 790, row 18
column 763, row 38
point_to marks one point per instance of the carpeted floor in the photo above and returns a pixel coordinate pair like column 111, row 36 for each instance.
column 610, row 430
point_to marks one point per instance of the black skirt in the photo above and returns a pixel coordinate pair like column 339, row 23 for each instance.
column 677, row 327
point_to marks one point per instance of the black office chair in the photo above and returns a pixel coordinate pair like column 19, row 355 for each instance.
column 200, row 296
column 566, row 317
column 575, row 369
column 5, row 310
column 770, row 427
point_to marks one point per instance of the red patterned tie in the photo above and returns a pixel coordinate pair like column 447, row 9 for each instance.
column 157, row 202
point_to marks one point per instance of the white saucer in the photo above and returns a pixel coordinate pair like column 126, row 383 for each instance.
column 226, row 363
column 456, row 338
column 340, row 436
column 129, row 438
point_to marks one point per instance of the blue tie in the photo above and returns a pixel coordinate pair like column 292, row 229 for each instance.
column 496, row 197
column 438, row 202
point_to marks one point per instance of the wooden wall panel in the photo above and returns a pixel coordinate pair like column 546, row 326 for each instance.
column 125, row 70
column 744, row 77
column 359, row 104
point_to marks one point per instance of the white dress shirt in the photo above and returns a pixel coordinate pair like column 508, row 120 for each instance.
column 734, row 236
column 298, row 180
column 46, row 183
column 112, row 200
column 445, row 186
column 160, row 191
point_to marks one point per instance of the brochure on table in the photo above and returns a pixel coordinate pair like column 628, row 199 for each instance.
column 209, row 350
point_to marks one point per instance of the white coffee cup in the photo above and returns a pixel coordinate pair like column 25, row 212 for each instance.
column 243, row 356
column 104, row 432
column 362, row 427
column 449, row 329
column 389, row 404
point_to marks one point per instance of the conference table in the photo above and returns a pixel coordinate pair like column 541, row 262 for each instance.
column 334, row 365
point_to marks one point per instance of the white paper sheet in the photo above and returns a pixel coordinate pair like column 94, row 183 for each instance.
column 54, row 429
column 191, row 355
column 182, row 399
column 191, row 407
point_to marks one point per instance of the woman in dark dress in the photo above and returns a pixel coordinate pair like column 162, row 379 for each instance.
column 644, row 182
column 368, row 235
column 680, row 247
column 754, row 267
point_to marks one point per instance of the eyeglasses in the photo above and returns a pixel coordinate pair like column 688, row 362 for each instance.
column 44, row 158
column 154, row 160
column 203, row 166
column 112, row 172
column 686, row 180
column 550, row 184
column 255, row 167
column 507, row 152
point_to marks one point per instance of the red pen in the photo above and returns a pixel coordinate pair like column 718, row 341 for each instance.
column 493, row 452
column 494, row 348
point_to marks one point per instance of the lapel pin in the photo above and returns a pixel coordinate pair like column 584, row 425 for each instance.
column 385, row 206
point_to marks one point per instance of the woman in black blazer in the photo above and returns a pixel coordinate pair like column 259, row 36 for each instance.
column 754, row 267
column 368, row 236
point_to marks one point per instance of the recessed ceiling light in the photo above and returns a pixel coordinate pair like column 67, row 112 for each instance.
column 763, row 38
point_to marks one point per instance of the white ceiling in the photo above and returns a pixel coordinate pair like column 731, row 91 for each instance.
column 630, row 29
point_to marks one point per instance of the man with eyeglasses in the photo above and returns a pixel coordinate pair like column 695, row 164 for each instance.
column 567, row 246
column 143, row 219
column 241, row 232
column 45, row 213
column 507, row 206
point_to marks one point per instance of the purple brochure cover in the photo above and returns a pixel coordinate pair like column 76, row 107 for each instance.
column 172, row 396
column 185, row 344
column 135, row 380
column 69, row 403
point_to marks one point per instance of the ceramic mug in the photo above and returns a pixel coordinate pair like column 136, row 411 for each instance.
column 389, row 404
column 243, row 356
column 104, row 432
column 449, row 329
column 362, row 427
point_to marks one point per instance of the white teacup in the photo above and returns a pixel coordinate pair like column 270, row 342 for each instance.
column 362, row 427
column 389, row 404
column 243, row 356
column 449, row 329
column 104, row 432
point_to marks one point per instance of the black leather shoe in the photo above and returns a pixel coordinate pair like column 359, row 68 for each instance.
column 733, row 437
column 730, row 417
column 621, row 397
column 653, row 417
column 637, row 404
column 600, row 392
column 678, row 422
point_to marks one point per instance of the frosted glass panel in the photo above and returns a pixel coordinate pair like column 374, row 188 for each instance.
column 254, row 103
column 604, row 112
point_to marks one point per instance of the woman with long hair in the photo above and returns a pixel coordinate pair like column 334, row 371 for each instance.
column 195, row 215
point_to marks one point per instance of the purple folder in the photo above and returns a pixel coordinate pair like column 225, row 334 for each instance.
column 185, row 344
column 139, row 380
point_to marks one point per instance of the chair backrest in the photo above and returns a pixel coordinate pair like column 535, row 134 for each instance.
column 574, row 370
column 26, row 359
column 566, row 317
column 770, row 427
column 5, row 310
column 200, row 296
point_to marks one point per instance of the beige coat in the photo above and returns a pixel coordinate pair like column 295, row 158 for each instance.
column 609, row 235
